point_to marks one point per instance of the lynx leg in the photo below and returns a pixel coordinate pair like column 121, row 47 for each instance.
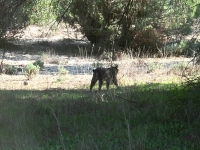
column 107, row 84
column 100, row 84
column 93, row 82
column 115, row 81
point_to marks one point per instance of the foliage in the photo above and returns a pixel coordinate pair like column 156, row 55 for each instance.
column 195, row 5
column 39, row 63
column 144, row 26
column 135, row 24
column 14, row 15
column 46, row 9
column 62, row 70
column 11, row 70
column 31, row 70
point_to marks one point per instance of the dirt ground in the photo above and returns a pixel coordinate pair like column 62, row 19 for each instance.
column 43, row 82
column 131, row 70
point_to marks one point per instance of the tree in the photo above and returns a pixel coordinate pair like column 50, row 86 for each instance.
column 13, row 15
column 136, row 24
column 145, row 24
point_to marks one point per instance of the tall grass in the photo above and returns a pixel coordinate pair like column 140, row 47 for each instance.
column 139, row 117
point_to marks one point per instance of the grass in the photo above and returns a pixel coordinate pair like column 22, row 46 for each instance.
column 144, row 116
column 138, row 117
column 152, row 116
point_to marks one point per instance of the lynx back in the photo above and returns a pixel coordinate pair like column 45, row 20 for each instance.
column 104, row 74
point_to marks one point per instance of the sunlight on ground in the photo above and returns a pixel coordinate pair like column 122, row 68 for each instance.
column 130, row 72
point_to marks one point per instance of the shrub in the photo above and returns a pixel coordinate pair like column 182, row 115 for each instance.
column 31, row 70
column 50, row 57
column 62, row 70
column 39, row 63
column 10, row 70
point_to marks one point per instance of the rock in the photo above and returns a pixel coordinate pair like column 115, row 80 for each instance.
column 25, row 83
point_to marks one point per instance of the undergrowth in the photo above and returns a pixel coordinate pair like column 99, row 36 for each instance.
column 139, row 117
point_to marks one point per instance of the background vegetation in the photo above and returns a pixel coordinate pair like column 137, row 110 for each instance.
column 140, row 25
column 14, row 16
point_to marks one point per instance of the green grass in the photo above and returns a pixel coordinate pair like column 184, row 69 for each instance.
column 139, row 117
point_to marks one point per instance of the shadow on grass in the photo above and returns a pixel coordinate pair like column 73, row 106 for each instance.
column 153, row 116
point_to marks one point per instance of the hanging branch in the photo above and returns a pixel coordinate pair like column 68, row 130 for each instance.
column 60, row 17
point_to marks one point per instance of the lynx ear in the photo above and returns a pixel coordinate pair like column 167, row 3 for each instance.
column 115, row 65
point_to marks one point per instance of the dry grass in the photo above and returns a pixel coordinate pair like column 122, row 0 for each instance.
column 42, row 82
column 153, row 70
column 131, row 71
column 51, row 57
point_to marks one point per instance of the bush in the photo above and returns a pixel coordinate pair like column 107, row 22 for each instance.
column 31, row 70
column 62, row 70
column 50, row 57
column 39, row 63
column 10, row 70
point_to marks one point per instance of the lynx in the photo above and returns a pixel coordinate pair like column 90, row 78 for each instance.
column 104, row 74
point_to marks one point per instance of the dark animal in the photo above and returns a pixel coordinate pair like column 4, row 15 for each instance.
column 104, row 74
